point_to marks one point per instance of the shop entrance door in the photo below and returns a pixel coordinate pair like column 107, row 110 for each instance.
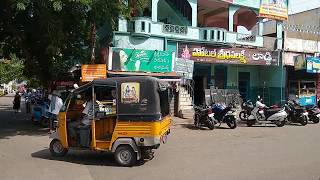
column 244, row 85
column 220, row 76
column 201, row 75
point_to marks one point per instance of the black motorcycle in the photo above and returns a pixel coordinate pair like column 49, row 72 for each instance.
column 246, row 107
column 224, row 115
column 203, row 117
column 296, row 113
column 313, row 113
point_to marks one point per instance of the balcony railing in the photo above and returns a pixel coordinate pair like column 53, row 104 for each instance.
column 175, row 29
column 246, row 37
column 146, row 27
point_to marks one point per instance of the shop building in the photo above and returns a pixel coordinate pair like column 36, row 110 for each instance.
column 301, row 56
column 231, row 31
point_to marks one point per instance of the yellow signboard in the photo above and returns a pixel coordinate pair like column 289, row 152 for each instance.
column 274, row 9
column 90, row 72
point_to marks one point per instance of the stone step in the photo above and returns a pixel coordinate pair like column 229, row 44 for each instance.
column 190, row 107
column 185, row 103
column 185, row 99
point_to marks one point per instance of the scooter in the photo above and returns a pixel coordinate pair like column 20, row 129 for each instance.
column 246, row 107
column 224, row 114
column 314, row 113
column 296, row 113
column 203, row 116
column 261, row 113
column 40, row 113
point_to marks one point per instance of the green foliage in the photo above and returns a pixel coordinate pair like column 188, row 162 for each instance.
column 52, row 35
column 11, row 69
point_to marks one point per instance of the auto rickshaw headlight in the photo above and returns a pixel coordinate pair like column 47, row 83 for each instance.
column 141, row 140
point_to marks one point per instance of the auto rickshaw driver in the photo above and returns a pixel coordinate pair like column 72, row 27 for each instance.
column 85, row 119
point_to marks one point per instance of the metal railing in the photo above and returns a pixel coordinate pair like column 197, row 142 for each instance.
column 246, row 37
column 175, row 29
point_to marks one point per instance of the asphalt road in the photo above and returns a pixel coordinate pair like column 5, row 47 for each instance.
column 257, row 153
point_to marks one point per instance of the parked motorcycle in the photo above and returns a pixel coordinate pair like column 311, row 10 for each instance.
column 203, row 117
column 261, row 113
column 296, row 113
column 224, row 114
column 246, row 107
column 313, row 113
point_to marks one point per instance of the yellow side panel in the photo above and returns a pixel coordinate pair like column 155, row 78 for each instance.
column 62, row 129
column 165, row 124
column 102, row 145
column 141, row 129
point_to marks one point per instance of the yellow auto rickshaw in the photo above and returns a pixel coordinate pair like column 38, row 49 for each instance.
column 128, row 116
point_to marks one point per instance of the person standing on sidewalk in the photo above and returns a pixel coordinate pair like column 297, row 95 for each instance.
column 16, row 102
column 55, row 105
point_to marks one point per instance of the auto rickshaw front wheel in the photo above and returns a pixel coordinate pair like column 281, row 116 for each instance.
column 57, row 149
column 125, row 156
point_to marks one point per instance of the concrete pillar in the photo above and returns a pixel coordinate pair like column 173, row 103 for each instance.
column 154, row 11
column 232, row 10
column 194, row 7
column 260, row 27
column 279, row 34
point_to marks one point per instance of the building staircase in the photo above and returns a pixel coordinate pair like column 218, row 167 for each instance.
column 185, row 104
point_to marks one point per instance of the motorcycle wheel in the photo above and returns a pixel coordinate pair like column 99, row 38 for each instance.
column 243, row 116
column 210, row 124
column 231, row 122
column 196, row 120
column 315, row 120
column 280, row 123
column 304, row 121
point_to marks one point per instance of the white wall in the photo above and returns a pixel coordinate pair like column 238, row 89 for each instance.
column 297, row 6
column 126, row 41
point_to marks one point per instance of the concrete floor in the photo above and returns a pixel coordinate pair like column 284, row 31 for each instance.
column 290, row 152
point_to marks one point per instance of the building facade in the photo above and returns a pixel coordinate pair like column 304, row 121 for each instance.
column 301, row 56
column 223, row 39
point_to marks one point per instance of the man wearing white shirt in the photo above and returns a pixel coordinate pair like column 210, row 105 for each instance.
column 55, row 105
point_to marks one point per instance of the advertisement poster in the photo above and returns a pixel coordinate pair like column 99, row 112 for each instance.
column 313, row 64
column 136, row 60
column 274, row 9
column 299, row 62
column 184, row 67
column 130, row 93
column 207, row 54
column 90, row 72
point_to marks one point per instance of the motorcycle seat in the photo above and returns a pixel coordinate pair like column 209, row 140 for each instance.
column 273, row 110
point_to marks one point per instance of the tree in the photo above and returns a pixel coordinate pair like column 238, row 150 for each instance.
column 11, row 69
column 52, row 35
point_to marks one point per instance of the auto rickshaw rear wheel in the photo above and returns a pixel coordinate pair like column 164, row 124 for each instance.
column 125, row 156
column 57, row 149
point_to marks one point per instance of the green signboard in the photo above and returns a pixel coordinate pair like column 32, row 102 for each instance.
column 141, row 60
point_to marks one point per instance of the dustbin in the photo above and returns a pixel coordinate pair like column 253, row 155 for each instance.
column 84, row 136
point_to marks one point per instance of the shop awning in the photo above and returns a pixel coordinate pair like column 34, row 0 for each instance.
column 165, row 74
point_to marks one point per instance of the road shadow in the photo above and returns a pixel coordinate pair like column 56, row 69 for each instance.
column 294, row 124
column 84, row 157
column 13, row 124
column 193, row 127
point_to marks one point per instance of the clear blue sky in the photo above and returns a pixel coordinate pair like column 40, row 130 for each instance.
column 296, row 6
